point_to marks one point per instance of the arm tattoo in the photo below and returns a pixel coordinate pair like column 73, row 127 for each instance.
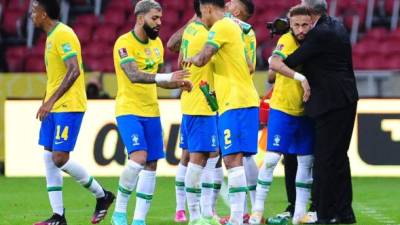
column 174, row 43
column 135, row 75
column 204, row 56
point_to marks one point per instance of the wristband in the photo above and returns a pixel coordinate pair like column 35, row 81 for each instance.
column 163, row 77
column 298, row 76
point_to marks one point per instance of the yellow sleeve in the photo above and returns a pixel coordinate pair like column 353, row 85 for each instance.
column 161, row 47
column 218, row 34
column 284, row 45
column 123, row 52
column 66, row 45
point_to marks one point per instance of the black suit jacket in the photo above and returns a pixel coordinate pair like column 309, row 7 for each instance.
column 326, row 57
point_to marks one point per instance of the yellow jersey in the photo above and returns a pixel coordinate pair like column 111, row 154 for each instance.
column 193, row 40
column 62, row 44
column 134, row 98
column 233, row 83
column 288, row 93
column 251, row 46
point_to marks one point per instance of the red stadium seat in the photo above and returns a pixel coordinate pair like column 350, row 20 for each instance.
column 11, row 20
column 88, row 19
column 38, row 50
column 92, row 64
column 377, row 34
column 105, row 34
column 114, row 18
column 94, row 50
column 83, row 32
column 15, row 57
column 21, row 5
column 34, row 64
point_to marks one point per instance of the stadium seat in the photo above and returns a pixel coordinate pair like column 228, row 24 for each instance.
column 94, row 50
column 105, row 34
column 114, row 18
column 11, row 21
column 83, row 32
column 15, row 57
column 20, row 5
column 88, row 19
column 377, row 34
column 34, row 64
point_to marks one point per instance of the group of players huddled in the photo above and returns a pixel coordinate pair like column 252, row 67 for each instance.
column 220, row 122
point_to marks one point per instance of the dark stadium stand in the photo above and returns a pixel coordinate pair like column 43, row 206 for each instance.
column 376, row 47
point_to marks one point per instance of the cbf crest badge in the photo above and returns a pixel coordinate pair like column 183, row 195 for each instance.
column 147, row 51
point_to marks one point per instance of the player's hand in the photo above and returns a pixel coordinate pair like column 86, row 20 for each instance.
column 186, row 85
column 179, row 76
column 306, row 89
column 44, row 110
column 186, row 63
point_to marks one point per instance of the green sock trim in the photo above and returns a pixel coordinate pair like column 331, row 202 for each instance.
column 252, row 188
column 264, row 183
column 193, row 190
column 144, row 196
column 303, row 185
column 207, row 185
column 125, row 191
column 237, row 189
column 179, row 184
column 217, row 186
column 89, row 183
column 55, row 188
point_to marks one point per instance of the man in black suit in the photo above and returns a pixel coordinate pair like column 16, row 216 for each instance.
column 331, row 99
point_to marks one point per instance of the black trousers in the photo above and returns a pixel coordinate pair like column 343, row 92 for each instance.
column 333, row 192
column 290, row 165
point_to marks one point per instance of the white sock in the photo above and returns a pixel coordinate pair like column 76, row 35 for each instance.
column 54, row 185
column 127, row 183
column 180, row 187
column 193, row 190
column 207, row 188
column 265, row 177
column 80, row 174
column 218, row 178
column 303, row 184
column 237, row 193
column 144, row 193
column 251, row 169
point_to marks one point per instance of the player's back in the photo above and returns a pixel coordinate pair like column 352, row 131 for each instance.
column 61, row 44
column 288, row 93
column 134, row 98
column 193, row 40
column 233, row 82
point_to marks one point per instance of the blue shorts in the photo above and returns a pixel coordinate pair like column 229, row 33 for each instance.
column 59, row 131
column 142, row 133
column 238, row 131
column 199, row 133
column 290, row 134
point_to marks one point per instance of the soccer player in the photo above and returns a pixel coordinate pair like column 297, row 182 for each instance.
column 236, row 95
column 62, row 111
column 199, row 128
column 289, row 131
column 212, row 175
column 138, row 56
column 243, row 10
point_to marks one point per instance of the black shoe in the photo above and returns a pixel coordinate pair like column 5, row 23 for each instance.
column 102, row 206
column 55, row 219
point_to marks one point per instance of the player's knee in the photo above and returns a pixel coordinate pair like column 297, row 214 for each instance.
column 139, row 157
column 60, row 159
column 232, row 161
column 272, row 159
column 152, row 166
column 185, row 158
column 305, row 161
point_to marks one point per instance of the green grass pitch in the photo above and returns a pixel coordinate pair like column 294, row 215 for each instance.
column 24, row 201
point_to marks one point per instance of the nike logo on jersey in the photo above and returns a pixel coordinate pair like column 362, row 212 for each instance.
column 228, row 146
column 58, row 142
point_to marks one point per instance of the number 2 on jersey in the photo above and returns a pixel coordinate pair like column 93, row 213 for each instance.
column 227, row 134
column 64, row 133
